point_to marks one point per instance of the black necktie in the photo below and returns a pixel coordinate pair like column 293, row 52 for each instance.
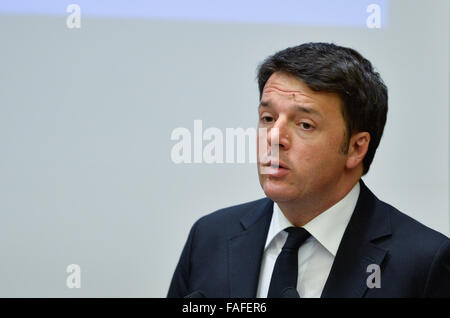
column 285, row 271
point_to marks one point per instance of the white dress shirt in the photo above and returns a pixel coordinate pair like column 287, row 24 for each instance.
column 316, row 255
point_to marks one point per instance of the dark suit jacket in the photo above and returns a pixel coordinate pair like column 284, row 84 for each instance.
column 223, row 253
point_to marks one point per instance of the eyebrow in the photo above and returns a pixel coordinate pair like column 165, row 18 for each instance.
column 299, row 108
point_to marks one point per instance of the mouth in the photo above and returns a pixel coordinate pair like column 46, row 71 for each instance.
column 275, row 169
column 279, row 165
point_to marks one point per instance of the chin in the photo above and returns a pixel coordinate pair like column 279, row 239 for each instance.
column 279, row 193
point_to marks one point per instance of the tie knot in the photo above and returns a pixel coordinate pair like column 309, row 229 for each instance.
column 296, row 237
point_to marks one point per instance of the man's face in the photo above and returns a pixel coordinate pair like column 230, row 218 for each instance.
column 311, row 132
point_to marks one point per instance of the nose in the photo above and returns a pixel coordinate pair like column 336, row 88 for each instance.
column 281, row 132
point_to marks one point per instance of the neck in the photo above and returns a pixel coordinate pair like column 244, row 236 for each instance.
column 300, row 211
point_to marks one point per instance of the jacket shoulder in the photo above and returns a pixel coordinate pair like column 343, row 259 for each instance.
column 412, row 232
column 228, row 219
column 404, row 222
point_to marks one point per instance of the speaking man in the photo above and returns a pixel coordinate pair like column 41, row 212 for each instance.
column 320, row 232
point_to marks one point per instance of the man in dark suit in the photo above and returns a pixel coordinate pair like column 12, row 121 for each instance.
column 320, row 232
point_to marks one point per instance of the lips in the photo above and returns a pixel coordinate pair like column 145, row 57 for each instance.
column 274, row 164
column 274, row 169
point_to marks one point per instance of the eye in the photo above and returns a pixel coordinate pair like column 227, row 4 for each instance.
column 266, row 119
column 306, row 126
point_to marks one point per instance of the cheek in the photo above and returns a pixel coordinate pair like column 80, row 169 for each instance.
column 307, row 151
column 336, row 140
column 261, row 142
column 316, row 157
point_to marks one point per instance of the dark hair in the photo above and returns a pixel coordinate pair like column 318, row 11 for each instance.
column 331, row 68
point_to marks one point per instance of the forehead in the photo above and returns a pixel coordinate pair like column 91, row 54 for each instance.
column 283, row 82
column 286, row 87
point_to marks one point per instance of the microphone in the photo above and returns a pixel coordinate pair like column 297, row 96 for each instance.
column 290, row 292
column 196, row 294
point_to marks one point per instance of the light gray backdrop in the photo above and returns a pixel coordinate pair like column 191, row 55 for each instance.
column 86, row 117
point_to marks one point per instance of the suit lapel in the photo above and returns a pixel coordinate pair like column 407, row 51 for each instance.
column 245, row 250
column 357, row 250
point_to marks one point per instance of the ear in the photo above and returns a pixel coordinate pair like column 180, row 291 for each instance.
column 358, row 146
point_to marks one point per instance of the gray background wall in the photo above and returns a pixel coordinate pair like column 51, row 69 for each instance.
column 86, row 117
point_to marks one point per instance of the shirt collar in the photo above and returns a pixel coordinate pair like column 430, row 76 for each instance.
column 327, row 228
